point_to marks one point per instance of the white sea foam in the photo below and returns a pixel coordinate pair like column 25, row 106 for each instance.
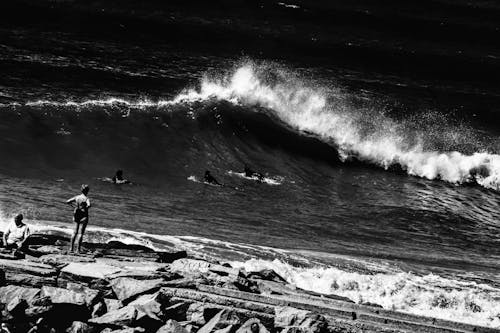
column 428, row 295
column 308, row 109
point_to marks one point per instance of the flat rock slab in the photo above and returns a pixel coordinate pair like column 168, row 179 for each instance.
column 63, row 259
column 26, row 272
column 92, row 270
column 76, row 295
column 127, row 288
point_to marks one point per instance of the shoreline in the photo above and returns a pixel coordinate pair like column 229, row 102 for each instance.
column 117, row 287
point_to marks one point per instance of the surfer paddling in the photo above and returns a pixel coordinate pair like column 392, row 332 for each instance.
column 80, row 216
column 118, row 178
column 209, row 179
column 249, row 173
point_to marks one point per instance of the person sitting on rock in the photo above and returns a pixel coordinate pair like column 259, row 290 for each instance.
column 16, row 234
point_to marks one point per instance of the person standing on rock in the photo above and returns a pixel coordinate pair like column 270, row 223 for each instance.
column 16, row 234
column 80, row 216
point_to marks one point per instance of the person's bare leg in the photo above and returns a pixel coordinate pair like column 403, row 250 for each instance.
column 80, row 237
column 73, row 237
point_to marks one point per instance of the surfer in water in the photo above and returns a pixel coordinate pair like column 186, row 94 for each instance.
column 80, row 216
column 209, row 179
column 118, row 178
column 249, row 173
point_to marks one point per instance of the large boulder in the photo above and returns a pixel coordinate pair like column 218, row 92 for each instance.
column 308, row 321
column 127, row 289
column 171, row 326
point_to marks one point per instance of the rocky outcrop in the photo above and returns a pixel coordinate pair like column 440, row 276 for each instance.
column 109, row 292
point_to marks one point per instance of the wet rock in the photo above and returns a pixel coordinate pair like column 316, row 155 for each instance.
column 221, row 320
column 125, row 316
column 172, row 326
column 80, row 327
column 306, row 320
column 128, row 288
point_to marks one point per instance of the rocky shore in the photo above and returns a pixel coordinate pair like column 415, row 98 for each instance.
column 122, row 288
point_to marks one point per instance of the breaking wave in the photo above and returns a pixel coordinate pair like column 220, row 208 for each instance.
column 356, row 133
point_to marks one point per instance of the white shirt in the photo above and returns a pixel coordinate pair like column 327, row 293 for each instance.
column 79, row 199
column 17, row 234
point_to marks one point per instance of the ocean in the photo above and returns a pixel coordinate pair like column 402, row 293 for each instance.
column 375, row 125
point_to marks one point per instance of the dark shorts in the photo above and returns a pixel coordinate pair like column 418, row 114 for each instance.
column 80, row 217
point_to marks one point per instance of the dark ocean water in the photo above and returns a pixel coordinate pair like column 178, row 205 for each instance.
column 376, row 126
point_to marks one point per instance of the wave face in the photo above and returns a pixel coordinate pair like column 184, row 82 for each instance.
column 356, row 134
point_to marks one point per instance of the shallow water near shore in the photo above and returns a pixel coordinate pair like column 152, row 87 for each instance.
column 382, row 182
